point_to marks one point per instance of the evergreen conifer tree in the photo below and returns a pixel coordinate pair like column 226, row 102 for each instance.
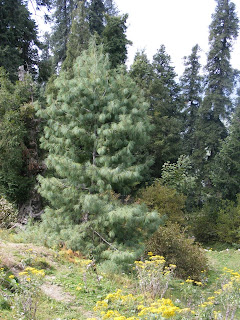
column 18, row 38
column 14, row 99
column 165, row 112
column 192, row 88
column 46, row 67
column 217, row 103
column 158, row 81
column 225, row 172
column 142, row 72
column 96, row 10
column 79, row 36
column 115, row 40
column 95, row 133
column 62, row 24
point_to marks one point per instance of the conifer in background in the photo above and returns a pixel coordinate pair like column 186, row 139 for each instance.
column 96, row 11
column 18, row 38
column 158, row 81
column 226, row 168
column 46, row 66
column 142, row 72
column 16, row 110
column 62, row 18
column 95, row 134
column 115, row 40
column 192, row 88
column 165, row 112
column 79, row 36
column 217, row 103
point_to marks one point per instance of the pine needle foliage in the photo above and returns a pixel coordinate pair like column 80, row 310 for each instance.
column 96, row 129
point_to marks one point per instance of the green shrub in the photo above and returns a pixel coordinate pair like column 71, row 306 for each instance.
column 228, row 222
column 203, row 222
column 8, row 214
column 218, row 221
column 171, row 242
column 166, row 201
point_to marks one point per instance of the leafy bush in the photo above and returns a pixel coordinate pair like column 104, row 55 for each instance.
column 172, row 243
column 177, row 175
column 203, row 222
column 166, row 201
column 218, row 221
column 8, row 214
column 228, row 221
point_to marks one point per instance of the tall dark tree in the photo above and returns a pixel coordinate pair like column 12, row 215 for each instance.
column 18, row 37
column 45, row 65
column 165, row 111
column 225, row 172
column 192, row 88
column 16, row 112
column 158, row 81
column 217, row 103
column 142, row 72
column 62, row 24
column 79, row 36
column 96, row 10
column 115, row 40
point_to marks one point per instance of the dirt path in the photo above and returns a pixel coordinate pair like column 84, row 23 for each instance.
column 12, row 256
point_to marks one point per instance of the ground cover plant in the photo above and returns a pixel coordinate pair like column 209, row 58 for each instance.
column 70, row 286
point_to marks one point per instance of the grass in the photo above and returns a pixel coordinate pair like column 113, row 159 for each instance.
column 79, row 288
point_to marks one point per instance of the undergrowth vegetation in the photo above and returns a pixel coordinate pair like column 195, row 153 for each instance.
column 171, row 242
column 149, row 290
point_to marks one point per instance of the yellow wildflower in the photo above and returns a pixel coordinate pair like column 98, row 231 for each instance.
column 189, row 281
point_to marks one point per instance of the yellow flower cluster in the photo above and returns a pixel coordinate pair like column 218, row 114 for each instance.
column 154, row 261
column 198, row 283
column 32, row 271
column 165, row 307
column 113, row 297
column 120, row 306
column 161, row 307
column 83, row 262
column 235, row 276
column 153, row 276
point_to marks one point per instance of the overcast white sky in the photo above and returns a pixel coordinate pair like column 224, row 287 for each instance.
column 178, row 24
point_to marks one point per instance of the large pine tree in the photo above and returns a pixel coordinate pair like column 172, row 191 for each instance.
column 96, row 129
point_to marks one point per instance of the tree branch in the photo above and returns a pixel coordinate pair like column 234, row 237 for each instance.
column 105, row 240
